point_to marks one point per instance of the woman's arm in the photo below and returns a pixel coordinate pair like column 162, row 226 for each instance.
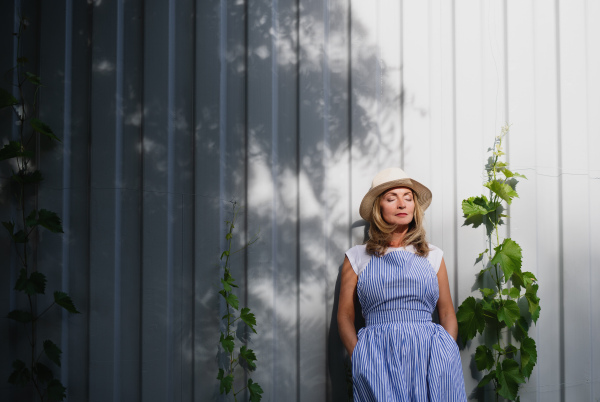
column 345, row 314
column 444, row 304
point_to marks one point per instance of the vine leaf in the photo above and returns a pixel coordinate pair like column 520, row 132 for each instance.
column 509, row 312
column 27, row 177
column 35, row 284
column 42, row 372
column 486, row 292
column 226, row 381
column 52, row 351
column 20, row 316
column 56, row 391
column 528, row 356
column 255, row 391
column 470, row 315
column 43, row 128
column 34, row 79
column 20, row 375
column 227, row 342
column 484, row 358
column 232, row 300
column 502, row 190
column 50, row 221
column 536, row 314
column 487, row 378
column 63, row 300
column 248, row 318
column 14, row 149
column 508, row 255
column 7, row 99
column 532, row 299
column 509, row 378
column 249, row 356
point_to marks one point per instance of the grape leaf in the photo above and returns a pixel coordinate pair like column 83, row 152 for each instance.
column 56, row 391
column 502, row 190
column 255, row 391
column 43, row 128
column 508, row 255
column 249, row 356
column 484, row 358
column 470, row 318
column 509, row 378
column 226, row 381
column 528, row 356
column 227, row 342
column 487, row 378
column 50, row 221
column 20, row 316
column 248, row 318
column 14, row 149
column 35, row 284
column 232, row 300
column 63, row 300
column 52, row 351
column 20, row 375
column 487, row 292
column 509, row 312
column 43, row 372
column 532, row 299
column 7, row 99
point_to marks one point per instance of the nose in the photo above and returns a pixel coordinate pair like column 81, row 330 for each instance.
column 401, row 204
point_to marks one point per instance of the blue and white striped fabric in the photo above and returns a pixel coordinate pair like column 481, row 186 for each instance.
column 401, row 355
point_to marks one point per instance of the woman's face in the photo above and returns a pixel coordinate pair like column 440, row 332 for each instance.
column 398, row 206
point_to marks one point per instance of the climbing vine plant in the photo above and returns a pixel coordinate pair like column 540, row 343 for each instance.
column 509, row 301
column 33, row 370
column 245, row 359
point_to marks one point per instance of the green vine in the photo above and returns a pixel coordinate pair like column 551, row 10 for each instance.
column 508, row 306
column 246, row 358
column 22, row 230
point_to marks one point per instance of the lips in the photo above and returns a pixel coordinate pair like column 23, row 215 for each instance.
column 401, row 214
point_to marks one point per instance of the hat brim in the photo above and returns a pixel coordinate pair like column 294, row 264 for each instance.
column 423, row 195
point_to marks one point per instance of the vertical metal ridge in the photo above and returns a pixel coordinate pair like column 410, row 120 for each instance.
column 66, row 193
column 506, row 94
column 117, row 372
column 193, row 211
column 89, row 60
column 326, row 228
column 402, row 88
column 222, row 119
column 172, row 114
column 274, row 173
column 561, row 261
column 298, row 203
column 141, row 205
column 454, row 152
column 537, row 186
column 590, row 254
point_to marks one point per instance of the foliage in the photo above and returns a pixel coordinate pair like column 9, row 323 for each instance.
column 23, row 230
column 246, row 359
column 509, row 305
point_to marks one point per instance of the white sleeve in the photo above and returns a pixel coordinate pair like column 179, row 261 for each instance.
column 358, row 258
column 435, row 257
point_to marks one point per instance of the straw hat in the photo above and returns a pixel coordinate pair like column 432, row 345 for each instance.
column 391, row 178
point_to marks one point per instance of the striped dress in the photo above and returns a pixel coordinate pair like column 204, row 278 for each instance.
column 401, row 355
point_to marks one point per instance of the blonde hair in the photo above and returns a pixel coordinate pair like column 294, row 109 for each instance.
column 380, row 232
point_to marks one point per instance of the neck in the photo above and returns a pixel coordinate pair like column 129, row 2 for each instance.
column 398, row 236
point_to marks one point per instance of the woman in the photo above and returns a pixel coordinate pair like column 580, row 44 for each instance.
column 399, row 279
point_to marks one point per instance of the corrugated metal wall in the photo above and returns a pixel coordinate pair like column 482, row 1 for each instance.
column 170, row 109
